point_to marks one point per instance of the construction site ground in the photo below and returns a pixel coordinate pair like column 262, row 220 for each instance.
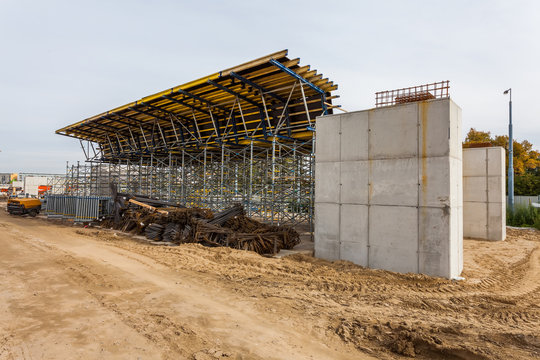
column 82, row 293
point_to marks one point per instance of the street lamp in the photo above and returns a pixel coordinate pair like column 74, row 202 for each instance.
column 510, row 154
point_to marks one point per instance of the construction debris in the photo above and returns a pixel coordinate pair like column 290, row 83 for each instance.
column 171, row 232
column 154, row 232
column 222, row 217
column 230, row 227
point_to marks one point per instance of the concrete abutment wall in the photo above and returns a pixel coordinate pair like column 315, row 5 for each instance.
column 484, row 200
column 388, row 188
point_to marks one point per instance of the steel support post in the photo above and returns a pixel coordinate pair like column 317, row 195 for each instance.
column 151, row 178
column 221, row 177
column 204, row 178
column 250, row 194
column 169, row 188
column 184, row 200
column 140, row 175
column 273, row 178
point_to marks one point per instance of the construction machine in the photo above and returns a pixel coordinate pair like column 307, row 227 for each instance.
column 24, row 206
column 43, row 190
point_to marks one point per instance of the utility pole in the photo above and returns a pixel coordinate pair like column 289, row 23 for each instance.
column 510, row 154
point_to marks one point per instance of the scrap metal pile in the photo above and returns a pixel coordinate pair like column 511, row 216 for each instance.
column 163, row 221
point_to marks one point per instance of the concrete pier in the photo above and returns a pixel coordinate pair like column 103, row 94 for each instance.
column 484, row 200
column 388, row 188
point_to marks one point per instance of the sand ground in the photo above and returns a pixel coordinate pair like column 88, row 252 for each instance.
column 81, row 293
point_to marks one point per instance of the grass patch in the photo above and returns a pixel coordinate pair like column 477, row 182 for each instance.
column 523, row 215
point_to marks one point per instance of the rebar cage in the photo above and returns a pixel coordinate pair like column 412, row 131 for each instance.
column 437, row 90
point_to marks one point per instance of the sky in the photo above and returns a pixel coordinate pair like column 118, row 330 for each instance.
column 64, row 61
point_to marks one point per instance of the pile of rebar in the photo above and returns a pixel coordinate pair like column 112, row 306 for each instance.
column 263, row 240
column 154, row 232
column 222, row 217
column 229, row 227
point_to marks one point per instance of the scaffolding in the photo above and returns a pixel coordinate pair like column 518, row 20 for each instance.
column 245, row 134
column 274, row 182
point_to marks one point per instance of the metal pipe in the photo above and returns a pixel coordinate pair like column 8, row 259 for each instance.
column 222, row 166
column 204, row 178
column 273, row 178
column 250, row 196
column 183, row 178
column 510, row 154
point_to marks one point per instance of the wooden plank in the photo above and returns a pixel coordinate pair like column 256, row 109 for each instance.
column 149, row 207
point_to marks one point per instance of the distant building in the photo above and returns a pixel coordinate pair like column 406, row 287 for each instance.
column 5, row 178
column 33, row 183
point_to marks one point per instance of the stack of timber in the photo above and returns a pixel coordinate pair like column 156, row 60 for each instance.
column 162, row 221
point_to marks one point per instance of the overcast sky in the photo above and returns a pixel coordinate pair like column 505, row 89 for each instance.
column 64, row 61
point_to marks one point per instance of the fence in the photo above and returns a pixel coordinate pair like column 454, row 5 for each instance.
column 525, row 200
column 78, row 208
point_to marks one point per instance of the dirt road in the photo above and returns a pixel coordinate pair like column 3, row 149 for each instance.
column 76, row 293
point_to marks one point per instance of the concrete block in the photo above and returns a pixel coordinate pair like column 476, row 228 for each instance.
column 496, row 189
column 354, row 136
column 475, row 220
column 354, row 233
column 434, row 128
column 327, row 188
column 327, row 250
column 354, row 252
column 393, row 230
column 496, row 161
column 434, row 241
column 327, row 231
column 384, row 171
column 435, row 264
column 456, row 241
column 434, row 180
column 456, row 215
column 393, row 132
column 474, row 162
column 433, row 226
column 486, row 188
column 496, row 221
column 327, row 221
column 387, row 258
column 394, row 182
column 456, row 182
column 354, row 182
column 328, row 147
column 456, row 147
column 475, row 188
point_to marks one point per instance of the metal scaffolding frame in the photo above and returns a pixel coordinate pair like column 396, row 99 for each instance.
column 274, row 182
column 244, row 134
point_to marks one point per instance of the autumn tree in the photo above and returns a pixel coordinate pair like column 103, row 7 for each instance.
column 526, row 159
column 475, row 137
